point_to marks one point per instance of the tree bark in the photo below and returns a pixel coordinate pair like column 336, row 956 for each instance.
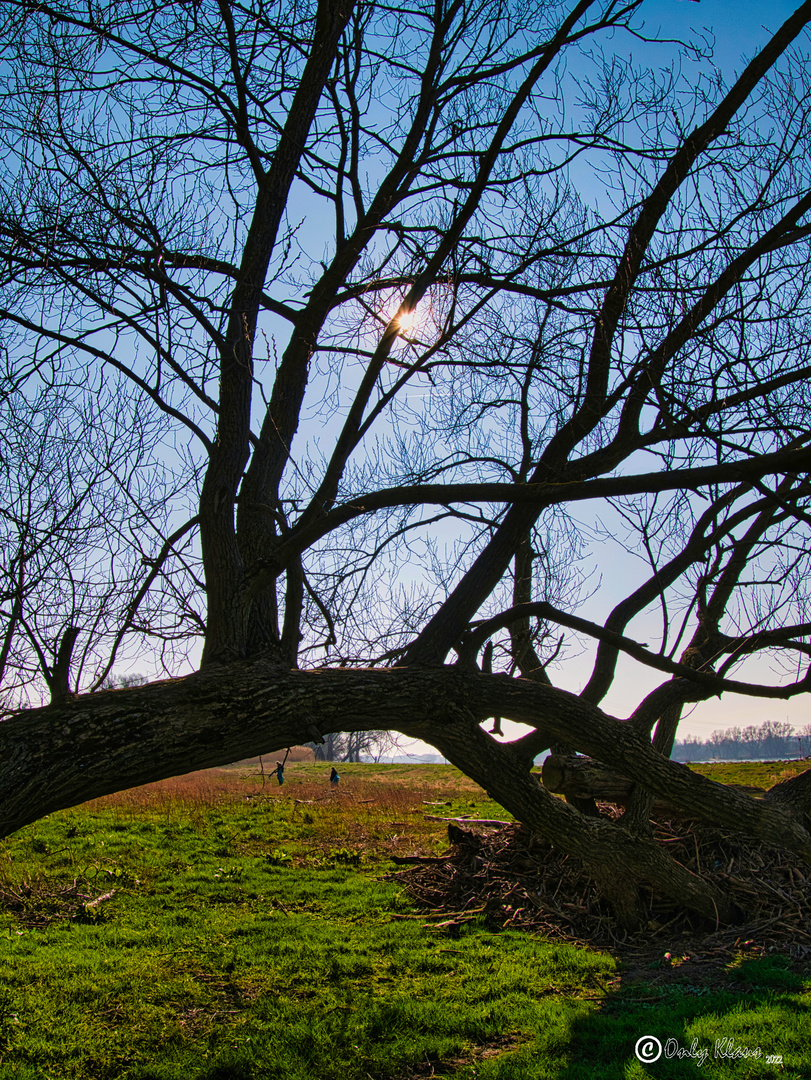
column 618, row 861
column 793, row 795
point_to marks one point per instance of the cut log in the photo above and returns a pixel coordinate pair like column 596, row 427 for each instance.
column 583, row 778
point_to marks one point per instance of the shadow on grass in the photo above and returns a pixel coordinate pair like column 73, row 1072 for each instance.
column 725, row 1022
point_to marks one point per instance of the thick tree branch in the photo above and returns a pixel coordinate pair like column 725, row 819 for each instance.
column 117, row 739
column 227, row 618
column 538, row 495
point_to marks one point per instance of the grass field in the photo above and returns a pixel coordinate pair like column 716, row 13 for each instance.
column 211, row 928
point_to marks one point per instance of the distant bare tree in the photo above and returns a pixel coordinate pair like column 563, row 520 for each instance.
column 355, row 746
column 804, row 740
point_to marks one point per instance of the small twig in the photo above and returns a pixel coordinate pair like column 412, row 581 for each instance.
column 402, row 859
column 489, row 822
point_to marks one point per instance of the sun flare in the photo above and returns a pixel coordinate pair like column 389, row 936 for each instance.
column 407, row 322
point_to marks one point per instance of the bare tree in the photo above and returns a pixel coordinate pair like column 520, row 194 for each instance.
column 354, row 746
column 436, row 318
column 70, row 512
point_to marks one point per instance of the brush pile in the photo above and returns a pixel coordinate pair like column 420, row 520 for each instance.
column 38, row 903
column 517, row 880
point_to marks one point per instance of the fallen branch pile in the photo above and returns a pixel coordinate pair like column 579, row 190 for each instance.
column 519, row 881
column 38, row 903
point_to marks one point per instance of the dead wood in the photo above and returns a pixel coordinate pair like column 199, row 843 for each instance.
column 487, row 822
column 406, row 859
column 522, row 882
column 584, row 778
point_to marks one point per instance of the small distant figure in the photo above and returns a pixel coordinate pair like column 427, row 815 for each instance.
column 334, row 777
column 280, row 772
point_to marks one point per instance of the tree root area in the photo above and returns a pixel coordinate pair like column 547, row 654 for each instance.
column 519, row 881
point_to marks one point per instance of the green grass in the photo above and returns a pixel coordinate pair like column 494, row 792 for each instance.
column 760, row 774
column 250, row 935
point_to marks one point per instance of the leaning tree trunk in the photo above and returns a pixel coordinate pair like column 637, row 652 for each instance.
column 617, row 860
column 64, row 754
column 793, row 795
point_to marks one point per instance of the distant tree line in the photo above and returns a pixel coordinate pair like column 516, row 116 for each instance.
column 773, row 739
